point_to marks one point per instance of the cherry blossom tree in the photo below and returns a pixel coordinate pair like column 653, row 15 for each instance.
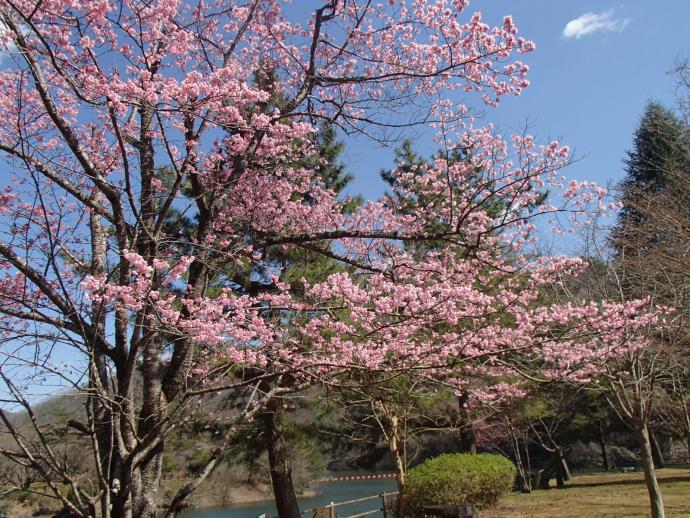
column 116, row 115
column 631, row 382
column 649, row 242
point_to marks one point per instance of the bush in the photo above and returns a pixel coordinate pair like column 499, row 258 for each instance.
column 459, row 478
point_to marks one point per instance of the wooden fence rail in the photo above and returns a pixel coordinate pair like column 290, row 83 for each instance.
column 329, row 511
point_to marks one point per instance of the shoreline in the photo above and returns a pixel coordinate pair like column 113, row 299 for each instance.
column 240, row 495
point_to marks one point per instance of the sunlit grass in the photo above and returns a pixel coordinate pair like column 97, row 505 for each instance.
column 601, row 495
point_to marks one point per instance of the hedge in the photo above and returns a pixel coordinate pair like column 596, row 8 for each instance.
column 457, row 478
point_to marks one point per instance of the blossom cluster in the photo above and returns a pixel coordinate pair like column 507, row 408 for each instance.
column 134, row 116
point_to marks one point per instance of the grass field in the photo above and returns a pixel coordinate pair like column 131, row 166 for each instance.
column 601, row 495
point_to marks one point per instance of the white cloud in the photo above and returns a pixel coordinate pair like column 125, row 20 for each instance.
column 590, row 23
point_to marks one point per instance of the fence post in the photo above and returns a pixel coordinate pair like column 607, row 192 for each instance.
column 332, row 513
column 383, row 506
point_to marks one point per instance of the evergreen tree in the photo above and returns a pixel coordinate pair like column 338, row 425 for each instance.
column 275, row 432
column 647, row 239
column 278, row 431
column 660, row 148
column 660, row 154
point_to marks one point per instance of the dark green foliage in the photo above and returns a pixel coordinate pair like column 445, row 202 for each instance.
column 406, row 158
column 281, row 432
column 472, row 188
column 357, row 423
column 328, row 166
column 459, row 478
column 661, row 152
column 659, row 148
column 304, row 456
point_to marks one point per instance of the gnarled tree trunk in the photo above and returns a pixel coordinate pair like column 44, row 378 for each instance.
column 281, row 472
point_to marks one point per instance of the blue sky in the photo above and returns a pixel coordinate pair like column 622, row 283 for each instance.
column 588, row 91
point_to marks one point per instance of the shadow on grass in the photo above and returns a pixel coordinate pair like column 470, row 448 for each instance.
column 629, row 482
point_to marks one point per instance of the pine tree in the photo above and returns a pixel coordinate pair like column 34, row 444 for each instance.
column 275, row 430
column 660, row 154
column 292, row 267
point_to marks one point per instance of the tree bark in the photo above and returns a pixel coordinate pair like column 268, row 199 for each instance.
column 524, row 472
column 147, row 475
column 98, row 373
column 560, row 479
column 394, row 447
column 395, row 438
column 468, row 441
column 281, row 472
column 655, row 500
column 602, row 445
column 562, row 469
column 657, row 456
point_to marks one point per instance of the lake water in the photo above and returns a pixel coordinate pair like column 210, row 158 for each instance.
column 327, row 492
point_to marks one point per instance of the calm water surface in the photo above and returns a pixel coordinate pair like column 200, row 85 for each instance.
column 327, row 492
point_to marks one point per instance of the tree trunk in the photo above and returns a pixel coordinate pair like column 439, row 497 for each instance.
column 657, row 456
column 565, row 468
column 655, row 500
column 468, row 440
column 557, row 468
column 146, row 477
column 146, row 498
column 98, row 374
column 523, row 472
column 281, row 472
column 560, row 479
column 544, row 477
column 121, row 502
column 602, row 445
column 561, row 468
column 394, row 447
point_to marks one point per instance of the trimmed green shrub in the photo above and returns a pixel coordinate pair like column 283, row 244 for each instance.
column 457, row 478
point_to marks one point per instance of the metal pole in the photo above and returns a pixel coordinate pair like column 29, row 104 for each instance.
column 332, row 510
column 383, row 506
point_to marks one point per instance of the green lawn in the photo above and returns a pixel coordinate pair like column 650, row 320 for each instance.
column 601, row 495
